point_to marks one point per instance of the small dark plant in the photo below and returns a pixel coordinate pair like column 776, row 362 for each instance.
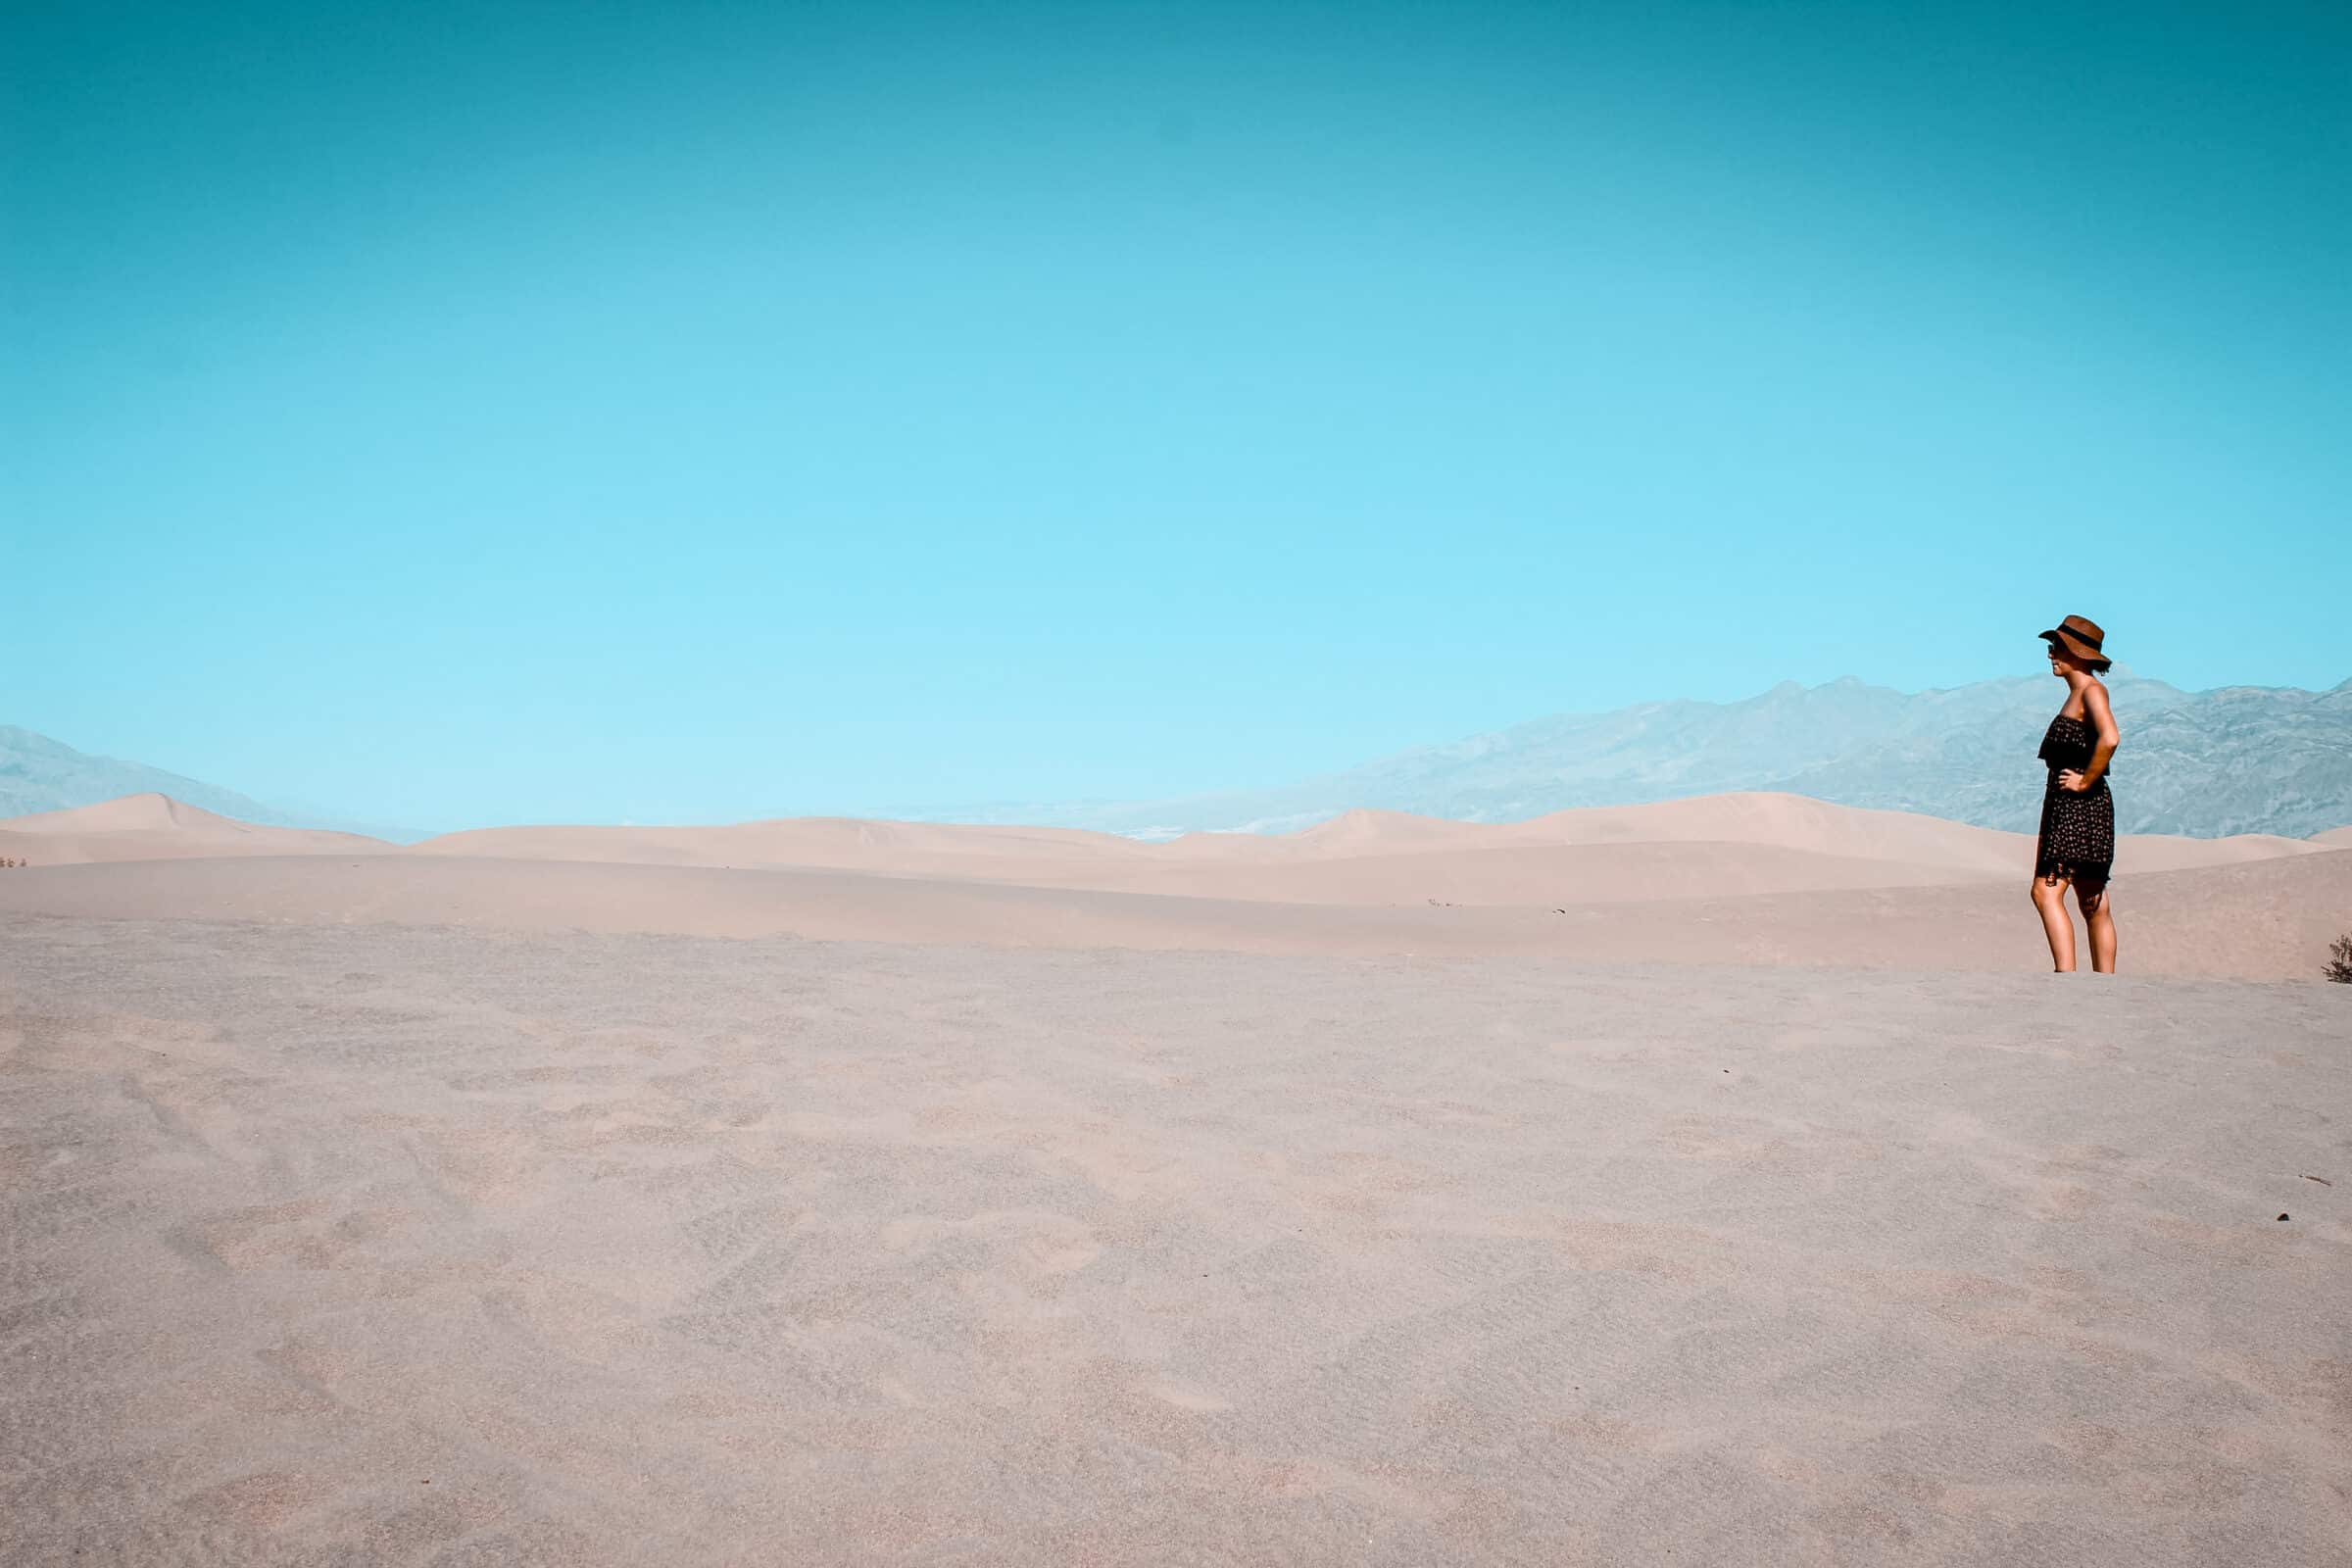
column 2339, row 966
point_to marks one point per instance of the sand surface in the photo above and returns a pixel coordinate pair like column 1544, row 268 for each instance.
column 1719, row 1182
column 2269, row 919
column 1719, row 843
column 1720, row 879
column 377, row 1244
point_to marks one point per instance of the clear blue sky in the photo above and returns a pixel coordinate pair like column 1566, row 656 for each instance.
column 468, row 412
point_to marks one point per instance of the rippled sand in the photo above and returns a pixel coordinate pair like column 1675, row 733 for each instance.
column 378, row 1244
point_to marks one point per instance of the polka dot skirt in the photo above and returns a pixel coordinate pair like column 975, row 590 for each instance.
column 2078, row 831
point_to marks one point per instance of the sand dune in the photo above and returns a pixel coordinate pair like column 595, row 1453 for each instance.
column 2168, row 852
column 1527, row 874
column 1922, row 849
column 1739, row 878
column 1783, row 822
column 844, row 843
column 1739, row 844
column 1770, row 843
column 149, row 827
column 1926, row 845
column 1788, row 821
column 1362, row 831
column 2259, row 920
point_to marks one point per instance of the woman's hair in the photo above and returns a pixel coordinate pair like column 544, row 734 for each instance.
column 2098, row 666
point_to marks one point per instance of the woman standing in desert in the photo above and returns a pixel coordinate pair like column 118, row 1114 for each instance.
column 2076, row 846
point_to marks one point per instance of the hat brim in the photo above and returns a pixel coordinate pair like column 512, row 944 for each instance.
column 2075, row 646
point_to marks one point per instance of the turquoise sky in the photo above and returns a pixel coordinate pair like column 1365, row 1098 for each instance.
column 453, row 413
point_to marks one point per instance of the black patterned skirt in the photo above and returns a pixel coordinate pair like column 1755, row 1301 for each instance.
column 2077, row 834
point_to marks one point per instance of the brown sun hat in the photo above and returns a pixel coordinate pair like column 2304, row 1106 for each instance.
column 2080, row 637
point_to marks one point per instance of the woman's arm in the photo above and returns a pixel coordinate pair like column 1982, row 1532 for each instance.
column 2102, row 722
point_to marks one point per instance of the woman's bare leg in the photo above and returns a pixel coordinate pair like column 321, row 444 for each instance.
column 2049, row 897
column 2099, row 918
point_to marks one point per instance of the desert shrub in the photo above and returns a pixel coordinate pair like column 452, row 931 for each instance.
column 2339, row 966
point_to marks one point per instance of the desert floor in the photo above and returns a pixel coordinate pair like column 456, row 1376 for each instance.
column 360, row 1243
column 1725, row 879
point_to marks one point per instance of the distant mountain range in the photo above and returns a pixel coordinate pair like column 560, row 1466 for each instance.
column 2239, row 760
column 39, row 774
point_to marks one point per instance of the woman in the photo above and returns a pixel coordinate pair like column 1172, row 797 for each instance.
column 2077, row 847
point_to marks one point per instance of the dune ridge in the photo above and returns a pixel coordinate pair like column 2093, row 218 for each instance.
column 152, row 826
column 1740, row 878
column 1932, row 848
column 2259, row 921
column 148, row 811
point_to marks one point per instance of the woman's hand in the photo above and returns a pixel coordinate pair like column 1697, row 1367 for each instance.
column 2072, row 781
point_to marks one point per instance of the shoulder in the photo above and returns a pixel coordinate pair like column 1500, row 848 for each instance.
column 2094, row 698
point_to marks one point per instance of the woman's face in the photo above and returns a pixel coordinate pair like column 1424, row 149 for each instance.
column 2059, row 663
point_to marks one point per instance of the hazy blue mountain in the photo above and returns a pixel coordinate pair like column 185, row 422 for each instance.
column 2240, row 759
column 39, row 774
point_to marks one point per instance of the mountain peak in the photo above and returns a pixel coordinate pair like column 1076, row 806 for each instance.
column 38, row 775
column 1965, row 754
